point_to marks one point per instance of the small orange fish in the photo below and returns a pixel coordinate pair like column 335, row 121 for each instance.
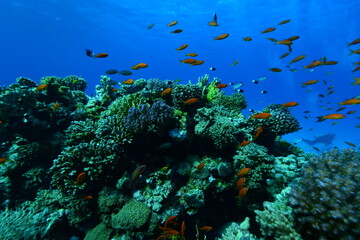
column 41, row 87
column 351, row 112
column 222, row 36
column 188, row 61
column 1, row 122
column 197, row 62
column 139, row 65
column 242, row 192
column 284, row 42
column 240, row 183
column 166, row 92
column 80, row 178
column 258, row 132
column 275, row 69
column 247, row 39
column 242, row 144
column 261, row 115
column 101, row 55
column 206, row 228
column 284, row 55
column 330, row 63
column 309, row 82
column 213, row 24
column 169, row 220
column 350, row 144
column 191, row 101
column 86, row 198
column 298, row 58
column 293, row 38
column 356, row 41
column 182, row 230
column 352, row 101
column 221, row 85
column 354, row 51
column 290, row 104
column 200, row 166
column 173, row 23
column 270, row 29
column 272, row 39
column 313, row 64
column 182, row 47
column 191, row 54
column 55, row 106
column 356, row 69
column 177, row 31
column 3, row 160
column 331, row 116
column 114, row 90
column 284, row 21
column 330, row 87
column 129, row 82
column 243, row 172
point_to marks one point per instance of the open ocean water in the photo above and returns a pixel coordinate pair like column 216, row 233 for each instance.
column 49, row 38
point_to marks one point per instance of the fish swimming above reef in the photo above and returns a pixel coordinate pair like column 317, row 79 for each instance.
column 325, row 139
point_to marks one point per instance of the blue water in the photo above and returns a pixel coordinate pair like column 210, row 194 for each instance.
column 44, row 38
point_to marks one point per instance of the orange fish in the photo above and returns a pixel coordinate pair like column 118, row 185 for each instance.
column 330, row 63
column 101, row 55
column 197, row 62
column 313, row 64
column 1, row 122
column 331, row 116
column 247, row 39
column 243, row 172
column 182, row 230
column 261, row 115
column 290, row 104
column 139, row 65
column 221, row 85
column 240, row 183
column 137, row 172
column 350, row 144
column 166, row 92
column 114, row 90
column 242, row 144
column 354, row 51
column 356, row 63
column 80, row 178
column 206, row 228
column 242, row 192
column 352, row 101
column 293, row 38
column 169, row 220
column 356, row 41
column 3, row 160
column 275, row 69
column 200, row 166
column 191, row 101
column 284, row 42
column 270, row 29
column 182, row 47
column 330, row 87
column 357, row 81
column 177, row 31
column 55, row 106
column 222, row 36
column 128, row 82
column 41, row 87
column 272, row 39
column 191, row 54
column 284, row 55
column 213, row 24
column 309, row 82
column 298, row 58
column 86, row 198
column 188, row 60
column 284, row 21
column 258, row 132
column 173, row 23
column 356, row 69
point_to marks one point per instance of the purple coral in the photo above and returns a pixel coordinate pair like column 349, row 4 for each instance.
column 146, row 119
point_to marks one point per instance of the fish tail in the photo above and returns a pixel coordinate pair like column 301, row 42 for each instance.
column 351, row 52
column 320, row 119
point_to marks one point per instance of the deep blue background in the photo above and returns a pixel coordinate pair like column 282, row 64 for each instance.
column 47, row 37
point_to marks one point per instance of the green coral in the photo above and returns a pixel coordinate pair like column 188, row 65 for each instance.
column 122, row 105
column 212, row 92
column 235, row 102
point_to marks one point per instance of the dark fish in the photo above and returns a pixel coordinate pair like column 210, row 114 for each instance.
column 125, row 72
column 263, row 92
column 240, row 90
column 255, row 81
column 212, row 69
column 111, row 71
column 177, row 31
column 215, row 17
column 306, row 111
column 89, row 53
column 150, row 26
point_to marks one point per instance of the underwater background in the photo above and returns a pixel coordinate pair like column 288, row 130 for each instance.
column 108, row 132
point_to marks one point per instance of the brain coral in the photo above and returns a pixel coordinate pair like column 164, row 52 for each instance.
column 326, row 200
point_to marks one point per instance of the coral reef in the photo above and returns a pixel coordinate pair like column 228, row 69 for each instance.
column 325, row 201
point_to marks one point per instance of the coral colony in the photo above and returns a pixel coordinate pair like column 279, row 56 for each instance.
column 156, row 159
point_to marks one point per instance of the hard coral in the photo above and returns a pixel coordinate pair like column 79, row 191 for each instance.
column 326, row 200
